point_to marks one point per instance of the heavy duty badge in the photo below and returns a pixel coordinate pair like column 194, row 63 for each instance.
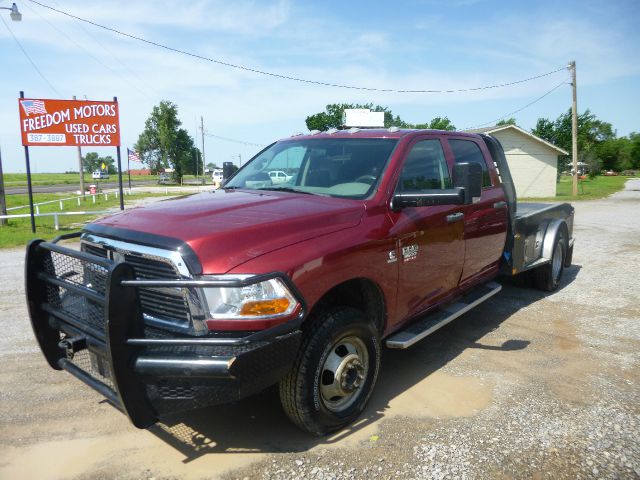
column 410, row 252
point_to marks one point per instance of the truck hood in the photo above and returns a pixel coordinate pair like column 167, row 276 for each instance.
column 228, row 228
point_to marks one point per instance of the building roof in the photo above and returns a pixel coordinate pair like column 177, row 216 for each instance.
column 498, row 128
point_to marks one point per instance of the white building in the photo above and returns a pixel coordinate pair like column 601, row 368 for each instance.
column 533, row 161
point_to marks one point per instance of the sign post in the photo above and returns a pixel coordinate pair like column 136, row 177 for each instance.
column 26, row 159
column 77, row 123
column 115, row 100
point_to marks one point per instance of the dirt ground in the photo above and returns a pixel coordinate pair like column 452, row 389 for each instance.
column 528, row 385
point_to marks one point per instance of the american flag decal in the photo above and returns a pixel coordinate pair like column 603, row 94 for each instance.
column 33, row 106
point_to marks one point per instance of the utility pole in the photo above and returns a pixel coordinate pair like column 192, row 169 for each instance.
column 3, row 203
column 80, row 167
column 574, row 128
column 202, row 131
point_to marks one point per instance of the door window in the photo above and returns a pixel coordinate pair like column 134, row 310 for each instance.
column 468, row 151
column 425, row 168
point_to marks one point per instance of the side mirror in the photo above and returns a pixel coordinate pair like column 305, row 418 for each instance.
column 468, row 176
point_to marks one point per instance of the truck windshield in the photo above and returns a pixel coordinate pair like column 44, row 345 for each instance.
column 336, row 167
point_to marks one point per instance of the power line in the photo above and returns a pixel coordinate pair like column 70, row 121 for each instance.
column 33, row 64
column 226, row 139
column 111, row 54
column 81, row 47
column 493, row 122
column 288, row 77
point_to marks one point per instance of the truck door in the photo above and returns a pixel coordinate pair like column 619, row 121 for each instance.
column 485, row 221
column 429, row 240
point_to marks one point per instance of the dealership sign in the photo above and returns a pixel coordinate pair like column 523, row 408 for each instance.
column 81, row 123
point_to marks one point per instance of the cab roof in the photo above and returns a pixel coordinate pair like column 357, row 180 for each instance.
column 373, row 133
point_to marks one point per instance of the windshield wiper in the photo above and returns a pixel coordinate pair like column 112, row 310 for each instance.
column 284, row 189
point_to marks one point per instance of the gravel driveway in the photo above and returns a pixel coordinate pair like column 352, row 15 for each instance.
column 528, row 385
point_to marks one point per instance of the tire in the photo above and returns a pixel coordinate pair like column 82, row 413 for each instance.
column 340, row 341
column 547, row 277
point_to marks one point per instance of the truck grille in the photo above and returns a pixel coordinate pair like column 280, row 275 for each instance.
column 80, row 273
column 164, row 304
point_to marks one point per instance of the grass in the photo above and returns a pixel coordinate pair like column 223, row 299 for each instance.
column 20, row 179
column 18, row 231
column 588, row 189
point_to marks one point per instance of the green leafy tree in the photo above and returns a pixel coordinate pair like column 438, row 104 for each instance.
column 163, row 143
column 92, row 162
column 592, row 133
column 437, row 123
column 634, row 150
column 332, row 116
column 507, row 121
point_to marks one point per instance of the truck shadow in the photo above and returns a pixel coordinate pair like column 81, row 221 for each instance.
column 258, row 424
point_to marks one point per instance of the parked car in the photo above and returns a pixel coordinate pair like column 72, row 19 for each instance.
column 278, row 176
column 383, row 237
column 164, row 177
column 99, row 175
column 217, row 176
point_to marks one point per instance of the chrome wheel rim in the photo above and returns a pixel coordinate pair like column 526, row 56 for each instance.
column 556, row 263
column 344, row 372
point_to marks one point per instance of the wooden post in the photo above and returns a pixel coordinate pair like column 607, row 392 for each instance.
column 574, row 128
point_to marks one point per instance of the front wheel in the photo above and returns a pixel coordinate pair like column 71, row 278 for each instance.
column 335, row 371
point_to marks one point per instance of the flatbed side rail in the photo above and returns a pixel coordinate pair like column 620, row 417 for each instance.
column 79, row 308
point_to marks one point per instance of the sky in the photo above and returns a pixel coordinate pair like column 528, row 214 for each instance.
column 401, row 45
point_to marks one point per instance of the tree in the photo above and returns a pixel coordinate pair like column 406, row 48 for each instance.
column 163, row 143
column 92, row 162
column 634, row 150
column 437, row 123
column 506, row 121
column 592, row 133
column 332, row 116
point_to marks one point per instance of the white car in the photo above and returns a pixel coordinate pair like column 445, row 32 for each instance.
column 99, row 174
column 278, row 176
column 216, row 176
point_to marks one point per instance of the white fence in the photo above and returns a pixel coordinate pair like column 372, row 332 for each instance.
column 56, row 215
column 77, row 199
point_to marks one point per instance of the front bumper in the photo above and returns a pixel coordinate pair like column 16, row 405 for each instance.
column 89, row 323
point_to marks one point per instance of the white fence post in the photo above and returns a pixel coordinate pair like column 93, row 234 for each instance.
column 37, row 209
column 56, row 221
column 78, row 201
column 61, row 207
column 94, row 198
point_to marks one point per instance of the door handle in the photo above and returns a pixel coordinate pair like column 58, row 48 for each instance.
column 455, row 217
column 499, row 204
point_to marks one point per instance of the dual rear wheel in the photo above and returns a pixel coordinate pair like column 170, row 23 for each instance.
column 547, row 277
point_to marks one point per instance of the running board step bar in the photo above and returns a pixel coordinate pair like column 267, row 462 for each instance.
column 439, row 318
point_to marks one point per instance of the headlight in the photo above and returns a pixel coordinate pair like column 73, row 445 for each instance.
column 269, row 298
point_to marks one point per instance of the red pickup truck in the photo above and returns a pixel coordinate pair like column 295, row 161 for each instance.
column 379, row 237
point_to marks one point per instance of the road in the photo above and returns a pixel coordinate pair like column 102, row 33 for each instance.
column 65, row 187
column 529, row 385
